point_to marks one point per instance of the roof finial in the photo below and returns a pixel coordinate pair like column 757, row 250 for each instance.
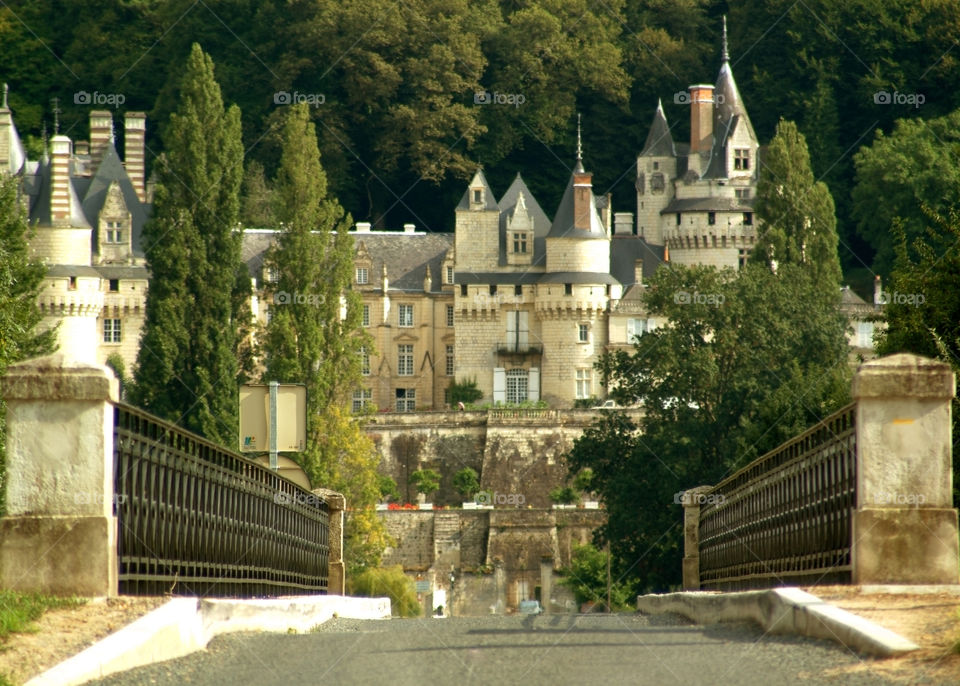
column 726, row 53
column 579, row 146
column 6, row 89
column 56, row 115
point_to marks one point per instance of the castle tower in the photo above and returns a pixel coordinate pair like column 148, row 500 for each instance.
column 656, row 169
column 573, row 295
column 477, row 228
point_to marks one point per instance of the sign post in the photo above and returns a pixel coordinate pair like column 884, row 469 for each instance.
column 273, row 419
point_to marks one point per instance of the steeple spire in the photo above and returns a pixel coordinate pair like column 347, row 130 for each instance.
column 578, row 168
column 6, row 90
column 725, row 56
column 56, row 115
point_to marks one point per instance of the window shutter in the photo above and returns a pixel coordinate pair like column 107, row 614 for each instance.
column 533, row 390
column 523, row 330
column 499, row 385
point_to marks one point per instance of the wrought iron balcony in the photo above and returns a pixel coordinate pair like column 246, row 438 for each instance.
column 519, row 349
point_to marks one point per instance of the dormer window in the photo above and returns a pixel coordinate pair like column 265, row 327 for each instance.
column 741, row 159
column 520, row 242
column 478, row 195
column 362, row 276
column 449, row 271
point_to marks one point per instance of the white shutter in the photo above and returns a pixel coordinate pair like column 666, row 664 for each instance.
column 533, row 390
column 523, row 330
column 499, row 385
column 511, row 330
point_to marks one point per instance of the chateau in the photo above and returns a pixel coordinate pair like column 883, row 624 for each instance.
column 87, row 207
column 521, row 303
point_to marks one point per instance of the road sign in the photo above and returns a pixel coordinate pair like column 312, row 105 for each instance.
column 255, row 419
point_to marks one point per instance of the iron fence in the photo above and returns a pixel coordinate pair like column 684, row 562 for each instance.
column 195, row 519
column 786, row 517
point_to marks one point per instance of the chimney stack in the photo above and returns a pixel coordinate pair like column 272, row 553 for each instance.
column 60, row 179
column 363, row 227
column 101, row 131
column 701, row 119
column 638, row 272
column 134, row 133
column 409, row 228
column 582, row 192
column 622, row 223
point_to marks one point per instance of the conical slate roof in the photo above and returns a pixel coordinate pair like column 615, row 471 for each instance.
column 562, row 226
column 478, row 180
column 729, row 113
column 111, row 170
column 659, row 141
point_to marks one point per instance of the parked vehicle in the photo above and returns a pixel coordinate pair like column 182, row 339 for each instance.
column 530, row 607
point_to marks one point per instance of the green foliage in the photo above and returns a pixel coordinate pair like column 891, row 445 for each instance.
column 924, row 317
column 899, row 174
column 797, row 223
column 465, row 391
column 187, row 364
column 720, row 384
column 388, row 488
column 586, row 577
column 20, row 279
column 426, row 481
column 565, row 495
column 388, row 582
column 586, row 403
column 583, row 481
column 466, row 482
column 18, row 611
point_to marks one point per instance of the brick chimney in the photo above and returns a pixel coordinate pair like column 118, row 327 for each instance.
column 101, row 130
column 60, row 179
column 582, row 192
column 701, row 119
column 134, row 132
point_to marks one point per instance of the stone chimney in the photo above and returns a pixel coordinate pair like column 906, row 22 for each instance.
column 623, row 223
column 60, row 179
column 134, row 133
column 363, row 227
column 409, row 228
column 101, row 131
column 701, row 119
column 582, row 193
column 638, row 272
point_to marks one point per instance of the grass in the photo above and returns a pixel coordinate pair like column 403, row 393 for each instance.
column 18, row 611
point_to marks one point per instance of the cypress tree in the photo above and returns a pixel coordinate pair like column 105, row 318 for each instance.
column 187, row 366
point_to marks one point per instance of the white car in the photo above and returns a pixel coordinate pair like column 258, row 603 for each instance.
column 608, row 404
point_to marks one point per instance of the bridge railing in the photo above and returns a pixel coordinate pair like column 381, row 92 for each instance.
column 103, row 498
column 865, row 496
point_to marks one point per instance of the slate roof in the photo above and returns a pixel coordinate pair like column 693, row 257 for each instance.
column 94, row 191
column 625, row 250
column 40, row 206
column 729, row 112
column 407, row 256
column 562, row 226
column 18, row 155
column 659, row 140
column 718, row 204
column 541, row 222
column 478, row 179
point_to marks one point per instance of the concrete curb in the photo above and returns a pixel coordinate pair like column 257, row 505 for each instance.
column 185, row 625
column 782, row 611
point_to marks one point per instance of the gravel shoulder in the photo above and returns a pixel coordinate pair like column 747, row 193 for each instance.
column 60, row 634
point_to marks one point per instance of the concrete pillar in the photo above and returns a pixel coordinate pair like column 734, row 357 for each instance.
column 60, row 532
column 904, row 526
column 337, row 576
column 691, row 501
column 546, row 582
column 500, row 586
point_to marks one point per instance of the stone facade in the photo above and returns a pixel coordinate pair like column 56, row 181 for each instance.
column 87, row 208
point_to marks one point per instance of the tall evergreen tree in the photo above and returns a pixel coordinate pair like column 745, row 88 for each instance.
column 797, row 220
column 20, row 279
column 314, row 334
column 187, row 365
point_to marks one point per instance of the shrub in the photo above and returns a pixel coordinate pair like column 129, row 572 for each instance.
column 388, row 582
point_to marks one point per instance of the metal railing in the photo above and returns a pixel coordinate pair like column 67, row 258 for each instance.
column 195, row 519
column 786, row 517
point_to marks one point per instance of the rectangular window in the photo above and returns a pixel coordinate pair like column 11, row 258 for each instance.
column 742, row 193
column 405, row 315
column 518, row 290
column 741, row 158
column 449, row 360
column 446, row 396
column 679, row 219
column 365, row 320
column 635, row 328
column 748, row 218
column 72, row 285
column 477, row 195
column 361, row 398
column 449, row 274
column 568, row 289
column 463, row 290
column 362, row 275
column 711, row 218
column 111, row 331
column 114, row 285
column 273, row 274
column 518, row 331
column 520, row 243
column 405, row 359
column 583, row 383
column 449, row 315
column 406, row 399
column 364, row 361
column 865, row 334
column 583, row 333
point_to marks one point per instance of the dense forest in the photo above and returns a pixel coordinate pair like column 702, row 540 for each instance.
column 393, row 89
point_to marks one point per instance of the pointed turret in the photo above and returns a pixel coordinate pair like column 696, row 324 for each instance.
column 478, row 195
column 659, row 141
column 478, row 226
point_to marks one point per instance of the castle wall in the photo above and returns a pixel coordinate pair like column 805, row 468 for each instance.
column 70, row 246
column 578, row 255
column 478, row 240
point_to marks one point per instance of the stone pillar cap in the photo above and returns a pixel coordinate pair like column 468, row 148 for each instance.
column 60, row 377
column 904, row 375
column 334, row 500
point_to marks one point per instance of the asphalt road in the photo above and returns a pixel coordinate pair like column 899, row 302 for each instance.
column 568, row 649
